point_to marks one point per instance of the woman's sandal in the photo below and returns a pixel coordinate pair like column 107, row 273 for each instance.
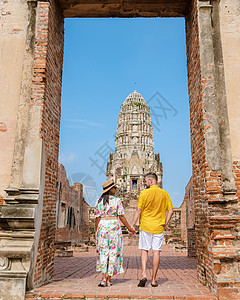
column 109, row 284
column 142, row 282
column 102, row 283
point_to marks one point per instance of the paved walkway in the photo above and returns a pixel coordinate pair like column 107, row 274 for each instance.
column 75, row 278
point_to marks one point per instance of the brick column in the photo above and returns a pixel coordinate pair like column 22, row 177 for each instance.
column 216, row 204
column 46, row 97
column 28, row 220
column 17, row 217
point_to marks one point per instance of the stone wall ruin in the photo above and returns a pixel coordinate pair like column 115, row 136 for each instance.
column 32, row 35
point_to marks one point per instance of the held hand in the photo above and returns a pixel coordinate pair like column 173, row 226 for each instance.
column 132, row 230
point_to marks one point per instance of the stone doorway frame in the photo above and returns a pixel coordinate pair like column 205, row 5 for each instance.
column 28, row 220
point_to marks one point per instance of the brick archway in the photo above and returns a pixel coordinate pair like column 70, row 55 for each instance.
column 28, row 220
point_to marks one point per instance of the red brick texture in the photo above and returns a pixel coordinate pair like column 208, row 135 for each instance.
column 190, row 219
column 236, row 171
column 215, row 221
column 183, row 222
column 199, row 164
column 46, row 93
column 216, row 224
column 190, row 212
column 173, row 232
column 72, row 211
column 191, row 235
column 2, row 202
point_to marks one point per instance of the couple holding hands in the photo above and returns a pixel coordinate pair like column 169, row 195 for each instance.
column 154, row 210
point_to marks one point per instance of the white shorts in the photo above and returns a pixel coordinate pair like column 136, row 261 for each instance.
column 150, row 240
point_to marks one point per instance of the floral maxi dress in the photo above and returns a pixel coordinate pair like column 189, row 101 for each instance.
column 109, row 237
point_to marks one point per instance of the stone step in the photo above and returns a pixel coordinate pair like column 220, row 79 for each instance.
column 71, row 296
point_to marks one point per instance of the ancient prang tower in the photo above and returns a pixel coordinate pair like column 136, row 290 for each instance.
column 134, row 152
column 32, row 35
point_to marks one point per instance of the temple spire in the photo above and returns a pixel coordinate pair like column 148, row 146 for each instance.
column 134, row 150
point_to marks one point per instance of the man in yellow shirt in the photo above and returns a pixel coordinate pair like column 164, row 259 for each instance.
column 155, row 210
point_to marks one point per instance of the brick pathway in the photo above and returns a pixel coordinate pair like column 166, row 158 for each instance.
column 75, row 278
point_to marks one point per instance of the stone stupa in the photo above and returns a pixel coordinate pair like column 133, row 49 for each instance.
column 134, row 152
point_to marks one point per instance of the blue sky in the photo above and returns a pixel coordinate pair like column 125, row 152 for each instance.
column 103, row 59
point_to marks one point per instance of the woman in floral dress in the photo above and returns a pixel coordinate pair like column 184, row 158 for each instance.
column 108, row 211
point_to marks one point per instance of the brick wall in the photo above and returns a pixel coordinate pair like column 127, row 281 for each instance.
column 216, row 249
column 91, row 220
column 176, row 232
column 181, row 229
column 199, row 164
column 207, row 185
column 173, row 232
column 46, row 93
column 183, row 222
column 190, row 219
column 191, row 242
column 190, row 212
column 84, row 212
column 72, row 211
column 85, row 220
column 236, row 171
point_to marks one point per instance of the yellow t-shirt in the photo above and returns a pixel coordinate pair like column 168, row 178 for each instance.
column 153, row 202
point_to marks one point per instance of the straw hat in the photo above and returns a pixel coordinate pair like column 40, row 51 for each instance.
column 108, row 185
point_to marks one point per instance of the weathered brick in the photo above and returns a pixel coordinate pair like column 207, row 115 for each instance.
column 47, row 87
column 74, row 227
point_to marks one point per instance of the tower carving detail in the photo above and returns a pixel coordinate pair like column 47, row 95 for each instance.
column 134, row 151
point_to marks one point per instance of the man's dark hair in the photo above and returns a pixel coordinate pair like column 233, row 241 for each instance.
column 151, row 175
